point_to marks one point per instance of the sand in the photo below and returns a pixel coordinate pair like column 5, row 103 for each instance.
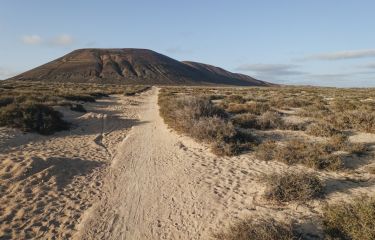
column 48, row 182
column 122, row 174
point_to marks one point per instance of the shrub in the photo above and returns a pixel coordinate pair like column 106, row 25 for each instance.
column 267, row 150
column 202, row 120
column 269, row 120
column 341, row 142
column 236, row 99
column 314, row 155
column 32, row 117
column 321, row 129
column 245, row 120
column 267, row 229
column 287, row 187
column 212, row 129
column 196, row 107
column 250, row 107
column 355, row 220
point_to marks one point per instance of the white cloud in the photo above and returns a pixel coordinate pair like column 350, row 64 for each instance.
column 62, row 40
column 271, row 69
column 32, row 39
column 342, row 55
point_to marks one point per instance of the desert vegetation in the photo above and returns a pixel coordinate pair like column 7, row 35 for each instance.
column 306, row 127
column 287, row 187
column 351, row 220
column 30, row 106
column 268, row 229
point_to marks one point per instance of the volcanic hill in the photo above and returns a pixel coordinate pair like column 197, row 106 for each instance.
column 133, row 66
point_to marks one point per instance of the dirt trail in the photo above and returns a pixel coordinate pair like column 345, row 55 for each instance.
column 151, row 191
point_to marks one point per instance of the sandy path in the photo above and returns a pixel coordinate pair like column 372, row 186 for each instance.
column 151, row 192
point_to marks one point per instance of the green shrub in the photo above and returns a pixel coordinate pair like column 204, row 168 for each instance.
column 285, row 187
column 354, row 220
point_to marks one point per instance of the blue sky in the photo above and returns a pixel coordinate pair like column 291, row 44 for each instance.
column 328, row 43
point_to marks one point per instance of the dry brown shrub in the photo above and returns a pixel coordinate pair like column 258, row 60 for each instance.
column 267, row 229
column 285, row 187
column 354, row 220
column 322, row 129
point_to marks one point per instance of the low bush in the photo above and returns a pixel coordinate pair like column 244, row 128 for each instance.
column 269, row 120
column 202, row 120
column 32, row 117
column 250, row 107
column 354, row 220
column 267, row 229
column 236, row 99
column 245, row 120
column 285, row 187
column 340, row 142
column 314, row 155
column 322, row 129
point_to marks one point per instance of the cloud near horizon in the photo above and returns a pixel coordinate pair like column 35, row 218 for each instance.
column 342, row 55
column 61, row 40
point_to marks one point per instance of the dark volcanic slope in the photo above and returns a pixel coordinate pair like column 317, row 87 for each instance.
column 140, row 66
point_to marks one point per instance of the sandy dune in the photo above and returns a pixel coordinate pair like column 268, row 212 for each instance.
column 122, row 174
